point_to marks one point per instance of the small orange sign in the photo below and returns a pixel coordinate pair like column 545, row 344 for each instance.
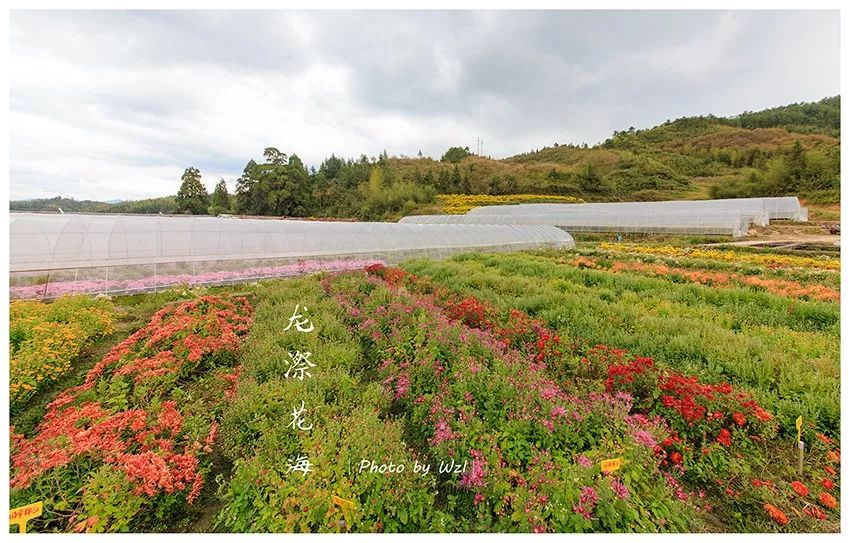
column 22, row 515
column 612, row 464
column 346, row 506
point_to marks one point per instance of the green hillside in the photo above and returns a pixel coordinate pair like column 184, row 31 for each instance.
column 793, row 149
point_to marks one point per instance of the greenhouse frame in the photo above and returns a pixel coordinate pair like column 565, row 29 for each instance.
column 784, row 208
column 51, row 255
column 735, row 225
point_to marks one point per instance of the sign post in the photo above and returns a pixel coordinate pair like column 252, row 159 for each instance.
column 22, row 515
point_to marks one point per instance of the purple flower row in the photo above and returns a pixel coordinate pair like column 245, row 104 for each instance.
column 94, row 286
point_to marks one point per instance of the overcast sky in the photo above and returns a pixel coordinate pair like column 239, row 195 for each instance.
column 115, row 105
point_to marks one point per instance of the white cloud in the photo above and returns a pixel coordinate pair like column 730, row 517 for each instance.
column 116, row 104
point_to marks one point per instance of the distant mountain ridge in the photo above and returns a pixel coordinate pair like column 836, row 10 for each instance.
column 792, row 149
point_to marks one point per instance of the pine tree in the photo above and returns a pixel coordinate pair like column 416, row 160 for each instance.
column 192, row 196
column 220, row 199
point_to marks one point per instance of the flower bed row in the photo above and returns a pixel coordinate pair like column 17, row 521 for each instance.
column 779, row 287
column 129, row 446
column 533, row 448
column 91, row 286
column 345, row 427
column 786, row 352
column 717, row 432
column 769, row 260
column 458, row 204
column 45, row 339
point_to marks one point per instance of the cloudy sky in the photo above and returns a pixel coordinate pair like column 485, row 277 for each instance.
column 115, row 105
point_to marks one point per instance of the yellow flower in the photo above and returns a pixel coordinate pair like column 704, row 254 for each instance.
column 456, row 204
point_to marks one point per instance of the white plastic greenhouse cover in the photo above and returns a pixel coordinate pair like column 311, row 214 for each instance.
column 124, row 253
column 679, row 223
column 784, row 207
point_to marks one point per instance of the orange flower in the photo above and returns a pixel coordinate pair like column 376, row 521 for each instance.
column 800, row 488
column 834, row 456
column 827, row 500
column 830, row 470
column 740, row 419
column 778, row 516
column 824, row 439
column 827, row 484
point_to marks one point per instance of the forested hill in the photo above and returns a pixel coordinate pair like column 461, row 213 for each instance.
column 792, row 149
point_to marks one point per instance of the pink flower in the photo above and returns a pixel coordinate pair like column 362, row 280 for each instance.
column 621, row 490
column 442, row 432
column 584, row 461
column 645, row 438
column 479, row 497
column 587, row 501
column 475, row 476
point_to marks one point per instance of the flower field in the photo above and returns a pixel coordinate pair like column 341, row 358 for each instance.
column 130, row 445
column 45, row 339
column 608, row 389
column 164, row 280
column 458, row 204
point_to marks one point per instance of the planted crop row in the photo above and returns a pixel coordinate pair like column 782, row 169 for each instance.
column 778, row 287
column 803, row 276
column 343, row 410
column 736, row 338
column 44, row 340
column 765, row 259
column 461, row 203
column 128, row 449
column 720, row 435
column 534, row 447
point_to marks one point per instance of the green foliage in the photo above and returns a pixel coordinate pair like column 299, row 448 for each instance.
column 280, row 187
column 398, row 199
column 785, row 351
column 455, row 154
column 220, row 199
column 192, row 197
column 261, row 495
column 796, row 170
column 823, row 117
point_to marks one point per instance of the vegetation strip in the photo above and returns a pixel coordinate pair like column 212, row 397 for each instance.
column 127, row 450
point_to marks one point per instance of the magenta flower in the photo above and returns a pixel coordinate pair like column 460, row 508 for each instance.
column 645, row 438
column 442, row 432
column 621, row 490
column 475, row 476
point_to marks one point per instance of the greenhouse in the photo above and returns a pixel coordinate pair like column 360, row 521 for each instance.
column 735, row 225
column 52, row 255
column 786, row 207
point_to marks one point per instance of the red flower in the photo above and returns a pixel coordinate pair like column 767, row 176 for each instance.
column 824, row 439
column 827, row 500
column 827, row 484
column 800, row 488
column 740, row 419
column 724, row 437
column 676, row 457
column 778, row 516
